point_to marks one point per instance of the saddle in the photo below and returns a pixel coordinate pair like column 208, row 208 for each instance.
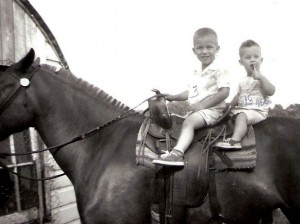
column 179, row 187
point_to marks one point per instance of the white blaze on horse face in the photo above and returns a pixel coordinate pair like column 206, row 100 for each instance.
column 24, row 82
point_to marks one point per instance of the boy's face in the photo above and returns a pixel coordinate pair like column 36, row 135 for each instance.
column 206, row 48
column 250, row 57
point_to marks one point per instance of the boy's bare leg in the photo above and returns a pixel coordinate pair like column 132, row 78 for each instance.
column 190, row 124
column 240, row 128
column 175, row 157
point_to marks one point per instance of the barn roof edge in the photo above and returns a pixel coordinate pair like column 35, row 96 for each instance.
column 44, row 28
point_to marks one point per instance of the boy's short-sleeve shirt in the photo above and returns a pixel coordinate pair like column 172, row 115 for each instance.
column 207, row 82
column 251, row 95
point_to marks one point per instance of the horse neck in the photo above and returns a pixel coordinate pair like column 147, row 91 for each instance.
column 65, row 110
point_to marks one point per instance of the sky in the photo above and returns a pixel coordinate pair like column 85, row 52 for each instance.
column 127, row 48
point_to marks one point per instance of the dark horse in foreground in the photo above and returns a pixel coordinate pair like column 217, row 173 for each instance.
column 110, row 188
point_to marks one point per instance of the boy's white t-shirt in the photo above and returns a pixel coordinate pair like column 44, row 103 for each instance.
column 251, row 95
column 203, row 84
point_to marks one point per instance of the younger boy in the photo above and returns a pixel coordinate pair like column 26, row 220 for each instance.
column 252, row 97
column 207, row 91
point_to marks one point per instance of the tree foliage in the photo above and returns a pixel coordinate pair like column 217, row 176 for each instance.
column 292, row 111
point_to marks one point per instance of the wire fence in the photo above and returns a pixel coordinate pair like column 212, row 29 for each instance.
column 26, row 201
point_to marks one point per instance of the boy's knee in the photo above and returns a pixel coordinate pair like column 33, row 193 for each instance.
column 190, row 122
column 241, row 117
column 187, row 123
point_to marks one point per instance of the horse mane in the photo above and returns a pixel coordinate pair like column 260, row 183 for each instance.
column 90, row 89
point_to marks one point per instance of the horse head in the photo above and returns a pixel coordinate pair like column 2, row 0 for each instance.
column 15, row 115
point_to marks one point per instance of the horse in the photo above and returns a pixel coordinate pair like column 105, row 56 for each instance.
column 109, row 186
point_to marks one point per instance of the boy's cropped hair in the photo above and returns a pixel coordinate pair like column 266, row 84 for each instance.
column 205, row 32
column 248, row 43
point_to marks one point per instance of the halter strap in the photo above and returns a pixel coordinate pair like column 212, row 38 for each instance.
column 13, row 95
column 16, row 84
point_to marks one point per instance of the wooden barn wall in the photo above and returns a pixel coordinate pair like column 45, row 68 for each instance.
column 19, row 33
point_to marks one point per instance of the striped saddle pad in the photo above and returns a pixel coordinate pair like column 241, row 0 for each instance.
column 240, row 159
column 223, row 159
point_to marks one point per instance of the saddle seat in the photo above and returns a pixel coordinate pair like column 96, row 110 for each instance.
column 158, row 137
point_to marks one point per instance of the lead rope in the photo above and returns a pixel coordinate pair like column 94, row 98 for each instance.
column 78, row 138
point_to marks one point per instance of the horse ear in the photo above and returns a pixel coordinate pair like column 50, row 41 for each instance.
column 36, row 62
column 24, row 63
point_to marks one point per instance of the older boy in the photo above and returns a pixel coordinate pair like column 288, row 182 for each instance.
column 207, row 91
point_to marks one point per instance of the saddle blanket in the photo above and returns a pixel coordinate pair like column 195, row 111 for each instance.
column 241, row 159
column 144, row 155
column 244, row 158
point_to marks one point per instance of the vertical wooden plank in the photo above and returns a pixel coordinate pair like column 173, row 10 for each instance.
column 35, row 39
column 16, row 179
column 19, row 31
column 40, row 46
column 7, row 29
column 48, row 185
column 37, row 158
column 31, row 33
column 1, row 15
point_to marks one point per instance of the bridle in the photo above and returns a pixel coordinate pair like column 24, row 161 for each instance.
column 23, row 83
column 8, row 95
column 16, row 84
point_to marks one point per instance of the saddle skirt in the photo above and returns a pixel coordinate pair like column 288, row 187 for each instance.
column 241, row 159
column 189, row 185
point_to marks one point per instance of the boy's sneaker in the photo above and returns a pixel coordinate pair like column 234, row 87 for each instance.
column 173, row 158
column 229, row 144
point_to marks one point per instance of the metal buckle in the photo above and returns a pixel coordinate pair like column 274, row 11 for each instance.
column 24, row 82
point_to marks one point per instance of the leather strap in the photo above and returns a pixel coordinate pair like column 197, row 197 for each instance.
column 225, row 159
column 14, row 87
column 213, row 197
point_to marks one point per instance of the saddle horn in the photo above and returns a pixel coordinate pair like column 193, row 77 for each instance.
column 159, row 110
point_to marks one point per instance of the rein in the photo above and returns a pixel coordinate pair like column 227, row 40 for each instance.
column 80, row 137
column 24, row 82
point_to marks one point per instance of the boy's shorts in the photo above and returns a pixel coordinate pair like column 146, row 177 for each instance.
column 210, row 115
column 253, row 116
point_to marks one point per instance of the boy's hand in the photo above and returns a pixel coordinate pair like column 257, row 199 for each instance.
column 256, row 75
column 267, row 86
column 177, row 97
